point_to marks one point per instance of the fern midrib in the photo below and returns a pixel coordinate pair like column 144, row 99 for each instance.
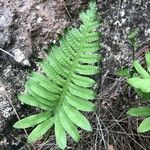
column 73, row 66
column 68, row 80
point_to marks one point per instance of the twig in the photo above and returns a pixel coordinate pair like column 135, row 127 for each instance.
column 124, row 130
column 66, row 9
column 7, row 53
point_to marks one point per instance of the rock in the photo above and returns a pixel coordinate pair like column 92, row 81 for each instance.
column 20, row 57
column 120, row 19
column 28, row 24
column 5, row 107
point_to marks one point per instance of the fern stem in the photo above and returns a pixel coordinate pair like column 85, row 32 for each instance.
column 68, row 80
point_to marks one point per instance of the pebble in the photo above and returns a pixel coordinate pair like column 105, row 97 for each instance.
column 147, row 32
column 20, row 57
column 122, row 13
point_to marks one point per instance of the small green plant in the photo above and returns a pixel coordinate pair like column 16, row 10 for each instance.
column 64, row 86
column 132, row 36
column 141, row 83
column 125, row 72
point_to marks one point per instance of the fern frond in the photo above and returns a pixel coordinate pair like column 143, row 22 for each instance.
column 141, row 84
column 65, row 85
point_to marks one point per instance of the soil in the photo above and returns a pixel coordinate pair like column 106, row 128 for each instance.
column 27, row 27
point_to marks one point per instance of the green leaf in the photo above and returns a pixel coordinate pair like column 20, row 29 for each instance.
column 124, row 72
column 93, row 36
column 139, row 111
column 51, row 74
column 91, row 47
column 91, row 13
column 87, row 69
column 144, row 126
column 67, row 50
column 142, row 84
column 60, row 133
column 68, row 125
column 40, row 130
column 81, row 92
column 133, row 34
column 147, row 57
column 62, row 58
column 45, row 82
column 141, row 70
column 30, row 100
column 32, row 120
column 41, row 91
column 54, row 63
column 89, row 58
column 144, row 96
column 42, row 100
column 76, row 117
column 82, row 81
column 80, row 103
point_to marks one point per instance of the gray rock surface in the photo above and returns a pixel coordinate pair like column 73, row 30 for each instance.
column 28, row 24
column 119, row 19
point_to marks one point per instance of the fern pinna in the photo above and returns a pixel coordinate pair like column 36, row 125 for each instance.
column 64, row 87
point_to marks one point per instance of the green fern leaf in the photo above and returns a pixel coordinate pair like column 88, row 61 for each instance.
column 144, row 126
column 60, row 133
column 141, row 70
column 34, row 101
column 147, row 57
column 76, row 117
column 144, row 96
column 68, row 125
column 65, row 86
column 45, row 83
column 141, row 84
column 139, row 111
column 40, row 130
column 32, row 120
column 82, row 81
column 79, row 103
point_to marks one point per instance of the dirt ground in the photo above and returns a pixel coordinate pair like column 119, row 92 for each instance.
column 27, row 27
